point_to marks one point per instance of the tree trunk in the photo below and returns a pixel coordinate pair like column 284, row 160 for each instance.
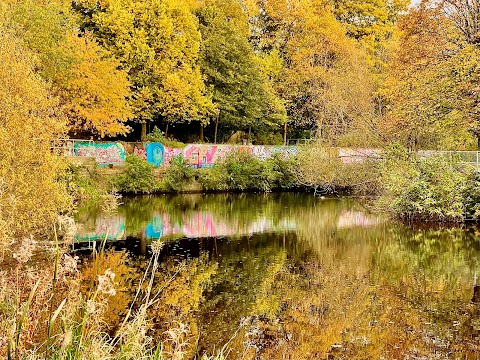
column 143, row 135
column 201, row 132
column 285, row 134
column 249, row 133
column 216, row 129
column 476, row 294
column 166, row 130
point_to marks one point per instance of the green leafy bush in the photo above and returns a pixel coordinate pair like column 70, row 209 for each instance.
column 213, row 179
column 137, row 178
column 430, row 188
column 178, row 175
column 471, row 196
column 241, row 171
column 159, row 136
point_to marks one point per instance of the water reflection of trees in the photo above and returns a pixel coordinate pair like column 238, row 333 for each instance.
column 340, row 285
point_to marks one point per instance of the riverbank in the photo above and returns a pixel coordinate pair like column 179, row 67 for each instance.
column 238, row 172
column 398, row 182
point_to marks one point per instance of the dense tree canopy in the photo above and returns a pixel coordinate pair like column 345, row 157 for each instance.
column 353, row 73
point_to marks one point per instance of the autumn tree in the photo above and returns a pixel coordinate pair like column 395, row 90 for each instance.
column 31, row 194
column 87, row 79
column 371, row 23
column 233, row 71
column 157, row 42
column 429, row 79
column 324, row 79
column 466, row 16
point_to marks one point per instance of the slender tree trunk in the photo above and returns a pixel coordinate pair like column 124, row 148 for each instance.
column 285, row 134
column 201, row 132
column 166, row 130
column 216, row 128
column 249, row 133
column 143, row 135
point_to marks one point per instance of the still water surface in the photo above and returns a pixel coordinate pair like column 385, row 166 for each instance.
column 291, row 276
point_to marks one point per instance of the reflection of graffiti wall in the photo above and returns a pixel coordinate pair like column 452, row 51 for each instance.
column 356, row 218
column 104, row 153
column 113, row 225
column 194, row 225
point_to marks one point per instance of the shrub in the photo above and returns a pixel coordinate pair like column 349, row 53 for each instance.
column 213, row 179
column 321, row 169
column 137, row 177
column 471, row 196
column 158, row 136
column 281, row 170
column 87, row 184
column 178, row 174
column 242, row 171
column 429, row 188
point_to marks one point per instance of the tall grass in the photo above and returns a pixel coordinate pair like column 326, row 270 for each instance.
column 45, row 315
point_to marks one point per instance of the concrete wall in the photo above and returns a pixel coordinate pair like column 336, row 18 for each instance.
column 195, row 155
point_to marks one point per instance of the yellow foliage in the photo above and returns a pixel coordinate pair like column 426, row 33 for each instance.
column 124, row 284
column 158, row 42
column 96, row 92
column 31, row 194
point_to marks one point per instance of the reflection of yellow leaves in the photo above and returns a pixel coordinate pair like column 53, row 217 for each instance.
column 180, row 290
column 123, row 282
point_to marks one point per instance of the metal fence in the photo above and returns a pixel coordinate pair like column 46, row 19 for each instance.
column 464, row 157
column 66, row 147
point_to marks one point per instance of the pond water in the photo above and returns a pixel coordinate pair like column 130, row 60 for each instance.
column 290, row 276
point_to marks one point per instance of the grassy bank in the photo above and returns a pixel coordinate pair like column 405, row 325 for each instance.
column 238, row 172
column 408, row 187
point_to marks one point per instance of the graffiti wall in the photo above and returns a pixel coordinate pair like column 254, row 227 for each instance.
column 104, row 153
column 203, row 156
column 265, row 152
column 169, row 154
column 137, row 149
column 195, row 155
column 349, row 156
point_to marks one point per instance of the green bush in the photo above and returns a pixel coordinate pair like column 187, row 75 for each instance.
column 178, row 175
column 471, row 196
column 86, row 184
column 158, row 136
column 241, row 171
column 213, row 179
column 280, row 170
column 137, row 177
column 431, row 188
